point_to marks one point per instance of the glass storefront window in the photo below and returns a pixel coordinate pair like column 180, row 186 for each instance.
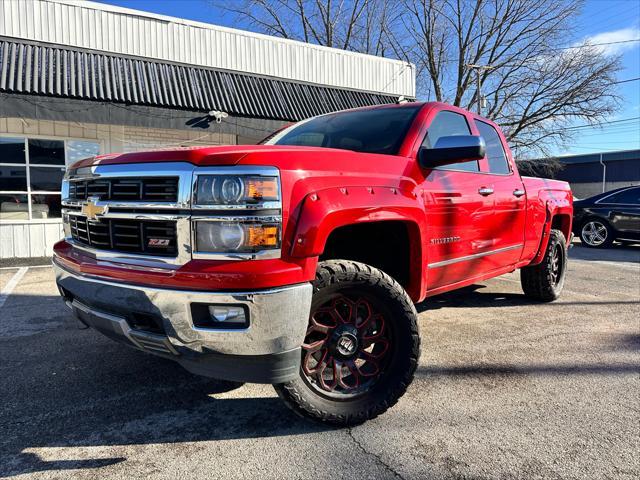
column 45, row 206
column 46, row 152
column 48, row 179
column 12, row 150
column 79, row 149
column 14, row 206
column 13, row 178
column 31, row 173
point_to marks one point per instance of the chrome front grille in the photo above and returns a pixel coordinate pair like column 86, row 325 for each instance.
column 145, row 237
column 143, row 214
column 126, row 189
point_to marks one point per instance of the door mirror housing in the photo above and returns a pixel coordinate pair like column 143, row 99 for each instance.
column 453, row 149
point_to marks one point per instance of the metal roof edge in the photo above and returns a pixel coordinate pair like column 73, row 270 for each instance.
column 205, row 67
column 210, row 26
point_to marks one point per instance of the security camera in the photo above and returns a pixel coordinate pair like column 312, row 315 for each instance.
column 217, row 115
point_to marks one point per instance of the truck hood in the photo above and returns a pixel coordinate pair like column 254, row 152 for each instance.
column 200, row 156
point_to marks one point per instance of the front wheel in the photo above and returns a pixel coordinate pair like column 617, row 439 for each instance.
column 361, row 348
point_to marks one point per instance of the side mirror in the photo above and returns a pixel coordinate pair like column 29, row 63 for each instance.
column 450, row 150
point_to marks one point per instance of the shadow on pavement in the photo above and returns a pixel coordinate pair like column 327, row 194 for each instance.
column 65, row 387
column 472, row 296
column 629, row 341
column 616, row 253
column 36, row 464
column 533, row 370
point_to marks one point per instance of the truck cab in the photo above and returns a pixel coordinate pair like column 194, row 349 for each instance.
column 297, row 262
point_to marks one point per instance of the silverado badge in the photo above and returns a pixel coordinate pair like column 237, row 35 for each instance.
column 91, row 210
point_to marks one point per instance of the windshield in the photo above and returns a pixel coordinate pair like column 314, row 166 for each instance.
column 378, row 130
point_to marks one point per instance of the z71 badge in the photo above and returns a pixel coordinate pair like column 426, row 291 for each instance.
column 158, row 242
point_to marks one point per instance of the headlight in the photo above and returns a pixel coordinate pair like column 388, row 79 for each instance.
column 235, row 190
column 236, row 237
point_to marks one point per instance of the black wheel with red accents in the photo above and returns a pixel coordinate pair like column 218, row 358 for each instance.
column 361, row 348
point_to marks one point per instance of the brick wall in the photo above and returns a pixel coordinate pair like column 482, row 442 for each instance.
column 114, row 138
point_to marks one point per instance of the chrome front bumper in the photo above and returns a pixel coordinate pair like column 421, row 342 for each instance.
column 267, row 351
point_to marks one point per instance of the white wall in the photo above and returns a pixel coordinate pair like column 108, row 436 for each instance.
column 132, row 32
column 29, row 239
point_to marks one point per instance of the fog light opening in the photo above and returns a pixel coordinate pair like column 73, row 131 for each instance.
column 219, row 317
column 227, row 315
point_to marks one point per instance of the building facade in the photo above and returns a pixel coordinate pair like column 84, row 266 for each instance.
column 600, row 172
column 82, row 78
column 591, row 173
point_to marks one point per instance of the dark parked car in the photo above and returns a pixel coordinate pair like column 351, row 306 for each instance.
column 609, row 216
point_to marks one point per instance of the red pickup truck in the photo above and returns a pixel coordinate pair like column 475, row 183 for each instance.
column 297, row 262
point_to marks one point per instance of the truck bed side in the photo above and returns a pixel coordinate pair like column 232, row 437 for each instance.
column 549, row 205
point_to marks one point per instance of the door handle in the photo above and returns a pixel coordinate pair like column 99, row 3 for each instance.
column 518, row 192
column 484, row 191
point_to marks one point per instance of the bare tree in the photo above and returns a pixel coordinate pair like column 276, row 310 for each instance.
column 538, row 83
column 358, row 25
column 535, row 87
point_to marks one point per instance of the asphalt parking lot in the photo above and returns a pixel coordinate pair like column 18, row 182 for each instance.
column 505, row 389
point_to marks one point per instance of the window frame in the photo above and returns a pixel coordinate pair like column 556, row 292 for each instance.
column 446, row 168
column 502, row 145
column 416, row 107
column 603, row 200
column 29, row 191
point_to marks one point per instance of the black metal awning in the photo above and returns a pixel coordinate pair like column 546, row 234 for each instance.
column 50, row 70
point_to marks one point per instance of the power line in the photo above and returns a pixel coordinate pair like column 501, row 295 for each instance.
column 598, row 134
column 588, row 45
column 559, row 49
column 625, row 81
column 599, row 149
column 632, row 129
column 606, row 142
column 596, row 125
column 616, row 17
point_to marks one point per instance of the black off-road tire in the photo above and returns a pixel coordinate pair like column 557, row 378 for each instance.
column 538, row 281
column 334, row 276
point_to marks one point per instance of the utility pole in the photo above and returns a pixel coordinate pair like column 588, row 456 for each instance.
column 478, row 68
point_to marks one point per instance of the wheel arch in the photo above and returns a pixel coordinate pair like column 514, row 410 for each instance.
column 361, row 224
column 559, row 215
column 562, row 222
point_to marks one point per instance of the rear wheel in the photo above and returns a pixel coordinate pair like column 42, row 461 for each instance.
column 361, row 348
column 545, row 281
column 596, row 233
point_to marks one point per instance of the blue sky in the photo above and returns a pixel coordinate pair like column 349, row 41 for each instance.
column 601, row 21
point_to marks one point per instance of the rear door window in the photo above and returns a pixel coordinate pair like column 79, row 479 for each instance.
column 498, row 163
column 449, row 124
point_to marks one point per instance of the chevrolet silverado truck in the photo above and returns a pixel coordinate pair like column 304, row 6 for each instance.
column 297, row 262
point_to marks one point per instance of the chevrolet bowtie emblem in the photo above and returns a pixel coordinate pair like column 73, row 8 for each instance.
column 91, row 210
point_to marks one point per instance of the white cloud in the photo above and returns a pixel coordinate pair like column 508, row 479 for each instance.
column 622, row 35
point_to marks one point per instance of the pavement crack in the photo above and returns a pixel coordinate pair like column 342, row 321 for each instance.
column 378, row 459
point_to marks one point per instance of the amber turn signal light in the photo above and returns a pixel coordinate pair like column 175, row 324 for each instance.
column 261, row 188
column 262, row 236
